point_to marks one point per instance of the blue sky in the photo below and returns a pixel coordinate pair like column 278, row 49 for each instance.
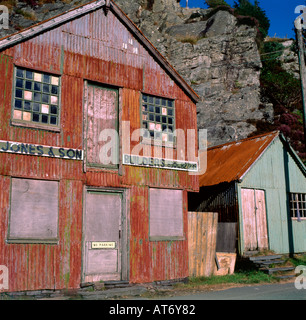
column 280, row 12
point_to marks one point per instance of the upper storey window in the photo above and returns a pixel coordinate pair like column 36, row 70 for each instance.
column 158, row 117
column 36, row 98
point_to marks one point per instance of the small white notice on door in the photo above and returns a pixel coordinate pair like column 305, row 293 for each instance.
column 103, row 245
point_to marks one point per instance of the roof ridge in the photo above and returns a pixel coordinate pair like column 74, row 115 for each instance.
column 276, row 133
column 52, row 18
column 42, row 26
column 231, row 161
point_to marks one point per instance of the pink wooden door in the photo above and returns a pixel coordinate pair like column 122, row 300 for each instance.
column 249, row 221
column 254, row 219
column 102, row 237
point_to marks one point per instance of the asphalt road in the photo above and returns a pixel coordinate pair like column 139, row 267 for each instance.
column 285, row 291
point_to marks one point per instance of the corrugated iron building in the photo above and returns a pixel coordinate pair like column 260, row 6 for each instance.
column 75, row 206
column 260, row 184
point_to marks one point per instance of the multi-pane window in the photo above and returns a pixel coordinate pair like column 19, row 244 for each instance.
column 158, row 117
column 297, row 202
column 36, row 97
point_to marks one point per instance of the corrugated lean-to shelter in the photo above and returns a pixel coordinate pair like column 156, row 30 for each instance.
column 83, row 198
column 260, row 184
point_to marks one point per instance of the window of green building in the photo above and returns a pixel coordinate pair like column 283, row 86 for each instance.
column 297, row 203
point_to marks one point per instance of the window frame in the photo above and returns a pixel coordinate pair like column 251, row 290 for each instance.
column 153, row 140
column 33, row 240
column 166, row 237
column 293, row 209
column 31, row 123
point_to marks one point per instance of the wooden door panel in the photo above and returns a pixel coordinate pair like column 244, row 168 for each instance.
column 102, row 218
column 261, row 220
column 249, row 221
column 102, row 261
column 254, row 219
column 102, row 227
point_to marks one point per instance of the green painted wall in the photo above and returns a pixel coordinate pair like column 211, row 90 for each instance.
column 277, row 173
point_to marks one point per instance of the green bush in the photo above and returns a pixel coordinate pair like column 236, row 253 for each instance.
column 283, row 90
column 215, row 3
column 282, row 87
column 245, row 8
column 275, row 48
column 246, row 20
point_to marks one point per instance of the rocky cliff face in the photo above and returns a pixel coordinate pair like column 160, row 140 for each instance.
column 215, row 54
column 290, row 59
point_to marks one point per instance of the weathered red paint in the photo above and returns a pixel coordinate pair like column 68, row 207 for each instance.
column 89, row 48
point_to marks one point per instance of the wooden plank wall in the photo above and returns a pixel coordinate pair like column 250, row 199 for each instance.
column 202, row 237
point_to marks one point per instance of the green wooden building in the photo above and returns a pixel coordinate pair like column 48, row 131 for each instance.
column 258, row 183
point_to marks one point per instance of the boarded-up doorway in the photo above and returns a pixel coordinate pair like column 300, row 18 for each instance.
column 254, row 219
column 104, row 244
column 101, row 126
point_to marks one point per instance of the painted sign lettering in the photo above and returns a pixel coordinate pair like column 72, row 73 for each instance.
column 39, row 150
column 134, row 160
column 103, row 245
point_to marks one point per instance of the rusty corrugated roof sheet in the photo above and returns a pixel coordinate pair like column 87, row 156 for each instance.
column 230, row 161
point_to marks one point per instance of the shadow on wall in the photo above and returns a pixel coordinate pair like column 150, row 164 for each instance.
column 289, row 221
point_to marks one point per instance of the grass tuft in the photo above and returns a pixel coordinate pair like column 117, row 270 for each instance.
column 244, row 277
column 191, row 40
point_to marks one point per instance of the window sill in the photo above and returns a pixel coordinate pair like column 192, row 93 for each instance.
column 295, row 218
column 170, row 238
column 158, row 143
column 32, row 241
column 35, row 126
column 98, row 168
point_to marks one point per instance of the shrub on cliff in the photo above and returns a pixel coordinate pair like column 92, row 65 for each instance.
column 284, row 91
column 273, row 49
column 215, row 3
column 246, row 8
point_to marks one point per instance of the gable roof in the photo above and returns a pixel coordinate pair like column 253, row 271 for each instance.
column 74, row 13
column 231, row 161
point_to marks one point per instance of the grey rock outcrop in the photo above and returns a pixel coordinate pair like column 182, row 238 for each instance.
column 216, row 55
column 290, row 59
column 219, row 58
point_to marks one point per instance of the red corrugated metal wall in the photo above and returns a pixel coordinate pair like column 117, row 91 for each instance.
column 154, row 260
column 88, row 48
column 42, row 266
